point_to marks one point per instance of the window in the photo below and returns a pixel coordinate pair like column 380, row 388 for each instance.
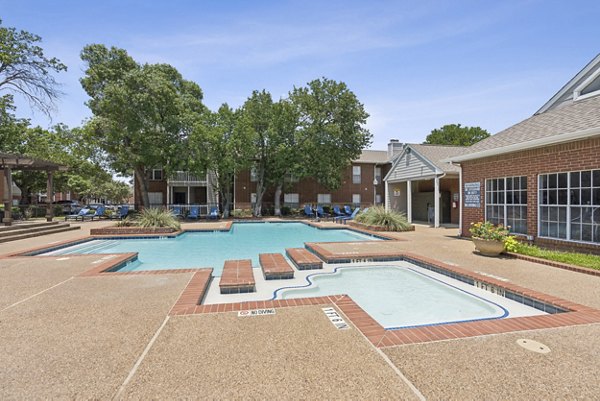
column 323, row 199
column 356, row 199
column 291, row 199
column 253, row 175
column 378, row 199
column 156, row 174
column 356, row 174
column 570, row 206
column 506, row 202
column 253, row 198
column 155, row 198
column 378, row 174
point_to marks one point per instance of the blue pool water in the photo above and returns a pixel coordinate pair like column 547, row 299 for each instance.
column 397, row 296
column 212, row 249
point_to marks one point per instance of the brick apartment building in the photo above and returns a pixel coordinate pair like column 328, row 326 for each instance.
column 542, row 175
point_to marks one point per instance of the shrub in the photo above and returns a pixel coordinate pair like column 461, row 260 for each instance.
column 488, row 231
column 391, row 220
column 238, row 213
column 126, row 222
column 155, row 218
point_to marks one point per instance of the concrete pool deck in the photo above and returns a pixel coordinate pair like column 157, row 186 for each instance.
column 101, row 337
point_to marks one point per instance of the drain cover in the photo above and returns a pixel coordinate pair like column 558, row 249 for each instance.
column 534, row 346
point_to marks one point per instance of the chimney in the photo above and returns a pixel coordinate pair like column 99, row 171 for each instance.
column 394, row 147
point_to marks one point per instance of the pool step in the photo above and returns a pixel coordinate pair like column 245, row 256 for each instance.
column 237, row 277
column 275, row 267
column 24, row 233
column 304, row 259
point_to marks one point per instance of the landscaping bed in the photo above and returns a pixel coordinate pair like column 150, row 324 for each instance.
column 131, row 230
column 368, row 227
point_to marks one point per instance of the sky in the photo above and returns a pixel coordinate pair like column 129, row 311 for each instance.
column 415, row 65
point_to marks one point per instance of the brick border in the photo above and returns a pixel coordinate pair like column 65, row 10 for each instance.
column 575, row 314
column 553, row 263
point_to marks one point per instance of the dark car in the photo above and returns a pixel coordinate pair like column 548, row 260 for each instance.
column 69, row 206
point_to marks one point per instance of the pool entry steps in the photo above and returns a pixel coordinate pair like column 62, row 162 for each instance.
column 304, row 259
column 275, row 267
column 237, row 277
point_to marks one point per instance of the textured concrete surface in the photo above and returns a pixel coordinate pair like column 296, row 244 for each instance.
column 23, row 277
column 295, row 354
column 496, row 368
column 81, row 339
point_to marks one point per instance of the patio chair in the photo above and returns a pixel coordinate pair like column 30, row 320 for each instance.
column 343, row 219
column 308, row 211
column 121, row 213
column 194, row 213
column 213, row 214
column 84, row 211
column 321, row 212
column 99, row 213
column 347, row 210
column 337, row 212
column 176, row 211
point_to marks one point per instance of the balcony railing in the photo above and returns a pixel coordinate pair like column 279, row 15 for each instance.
column 185, row 178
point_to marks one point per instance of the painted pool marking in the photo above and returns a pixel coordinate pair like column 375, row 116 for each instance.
column 492, row 276
column 256, row 312
column 335, row 318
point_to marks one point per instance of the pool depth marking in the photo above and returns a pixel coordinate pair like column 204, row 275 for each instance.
column 335, row 318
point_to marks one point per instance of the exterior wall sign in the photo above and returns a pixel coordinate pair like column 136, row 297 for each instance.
column 256, row 312
column 335, row 319
column 472, row 194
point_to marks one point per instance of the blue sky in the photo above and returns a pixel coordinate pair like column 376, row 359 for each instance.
column 414, row 65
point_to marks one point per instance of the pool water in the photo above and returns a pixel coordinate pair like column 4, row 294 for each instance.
column 212, row 249
column 399, row 296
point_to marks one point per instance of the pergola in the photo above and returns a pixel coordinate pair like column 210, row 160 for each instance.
column 10, row 162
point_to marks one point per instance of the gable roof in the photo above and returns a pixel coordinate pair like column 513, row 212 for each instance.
column 373, row 156
column 436, row 154
column 577, row 120
column 428, row 163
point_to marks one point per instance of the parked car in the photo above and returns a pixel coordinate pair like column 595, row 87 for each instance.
column 69, row 206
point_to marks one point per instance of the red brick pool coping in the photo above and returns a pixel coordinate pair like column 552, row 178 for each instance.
column 576, row 314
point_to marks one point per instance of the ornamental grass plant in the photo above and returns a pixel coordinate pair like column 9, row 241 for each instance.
column 379, row 217
column 156, row 218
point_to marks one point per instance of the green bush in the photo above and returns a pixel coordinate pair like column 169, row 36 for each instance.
column 238, row 213
column 379, row 217
column 155, row 218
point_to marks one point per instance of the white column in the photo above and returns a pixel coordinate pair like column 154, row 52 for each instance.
column 409, row 201
column 168, row 194
column 188, row 196
column 460, row 202
column 387, row 196
column 436, row 202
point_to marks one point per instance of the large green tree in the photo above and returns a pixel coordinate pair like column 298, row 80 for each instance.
column 331, row 129
column 219, row 145
column 25, row 70
column 457, row 135
column 142, row 113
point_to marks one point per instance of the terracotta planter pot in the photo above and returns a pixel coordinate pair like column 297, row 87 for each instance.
column 488, row 247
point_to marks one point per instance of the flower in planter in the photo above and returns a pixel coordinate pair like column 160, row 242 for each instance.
column 488, row 231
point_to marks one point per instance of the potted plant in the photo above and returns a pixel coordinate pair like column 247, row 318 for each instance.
column 488, row 238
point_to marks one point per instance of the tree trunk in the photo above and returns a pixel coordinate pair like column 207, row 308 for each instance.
column 142, row 182
column 277, row 201
column 260, row 191
column 225, row 203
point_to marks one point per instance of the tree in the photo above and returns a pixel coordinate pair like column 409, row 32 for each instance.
column 142, row 112
column 219, row 145
column 25, row 70
column 454, row 134
column 11, row 127
column 331, row 129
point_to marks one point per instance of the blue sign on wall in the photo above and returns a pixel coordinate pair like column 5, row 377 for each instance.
column 472, row 194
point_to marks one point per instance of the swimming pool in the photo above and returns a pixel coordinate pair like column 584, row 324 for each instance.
column 405, row 296
column 212, row 249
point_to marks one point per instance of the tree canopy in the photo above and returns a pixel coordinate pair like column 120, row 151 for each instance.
column 26, row 70
column 455, row 134
column 142, row 113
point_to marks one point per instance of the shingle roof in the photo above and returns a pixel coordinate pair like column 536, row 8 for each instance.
column 373, row 156
column 436, row 153
column 574, row 117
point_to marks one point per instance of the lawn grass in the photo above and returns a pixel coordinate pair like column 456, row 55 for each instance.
column 572, row 258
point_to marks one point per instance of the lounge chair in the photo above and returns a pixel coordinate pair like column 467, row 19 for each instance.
column 308, row 211
column 337, row 212
column 194, row 213
column 321, row 213
column 99, row 213
column 176, row 211
column 213, row 214
column 121, row 213
column 345, row 218
column 76, row 216
column 347, row 210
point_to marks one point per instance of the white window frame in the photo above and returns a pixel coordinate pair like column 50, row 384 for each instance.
column 253, row 174
column 577, row 92
column 354, row 199
column 323, row 199
column 378, row 174
column 155, row 196
column 153, row 174
column 291, row 198
column 356, row 174
column 569, row 206
column 253, row 198
column 505, row 205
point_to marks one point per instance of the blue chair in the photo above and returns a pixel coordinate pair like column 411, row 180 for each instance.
column 347, row 210
column 97, row 214
column 343, row 219
column 194, row 213
column 176, row 211
column 337, row 212
column 321, row 213
column 76, row 216
column 213, row 214
column 121, row 213
column 308, row 211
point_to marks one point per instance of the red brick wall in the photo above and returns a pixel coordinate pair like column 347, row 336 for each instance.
column 573, row 156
